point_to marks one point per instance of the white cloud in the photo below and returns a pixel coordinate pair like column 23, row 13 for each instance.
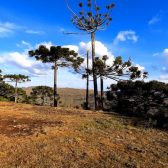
column 4, row 32
column 163, row 77
column 100, row 50
column 154, row 19
column 48, row 45
column 72, row 47
column 165, row 53
column 164, row 70
column 9, row 25
column 123, row 35
column 5, row 28
column 34, row 32
column 141, row 68
column 155, row 54
column 17, row 45
column 25, row 43
column 37, row 70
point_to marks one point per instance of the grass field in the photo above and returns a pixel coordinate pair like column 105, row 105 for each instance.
column 48, row 137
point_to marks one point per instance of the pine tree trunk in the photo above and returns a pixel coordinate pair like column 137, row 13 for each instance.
column 94, row 74
column 87, row 85
column 55, row 85
column 101, row 81
column 16, row 91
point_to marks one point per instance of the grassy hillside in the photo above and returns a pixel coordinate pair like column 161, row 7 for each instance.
column 43, row 136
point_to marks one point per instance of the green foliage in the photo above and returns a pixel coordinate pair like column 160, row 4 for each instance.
column 56, row 53
column 45, row 91
column 17, row 78
column 83, row 105
column 3, row 99
column 144, row 94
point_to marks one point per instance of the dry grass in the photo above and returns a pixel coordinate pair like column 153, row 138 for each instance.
column 37, row 136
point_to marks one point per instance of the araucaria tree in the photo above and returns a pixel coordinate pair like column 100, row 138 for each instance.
column 91, row 24
column 115, row 71
column 18, row 79
column 65, row 57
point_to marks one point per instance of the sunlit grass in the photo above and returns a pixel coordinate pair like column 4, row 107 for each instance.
column 37, row 136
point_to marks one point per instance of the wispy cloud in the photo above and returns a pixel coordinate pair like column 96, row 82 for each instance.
column 123, row 35
column 163, row 77
column 35, row 32
column 6, row 28
column 23, row 42
column 18, row 45
column 9, row 25
column 155, row 54
column 155, row 19
column 4, row 32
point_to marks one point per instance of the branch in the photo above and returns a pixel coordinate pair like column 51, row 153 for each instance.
column 106, row 17
column 75, row 15
column 102, row 29
column 86, row 13
column 80, row 21
column 96, row 10
column 75, row 33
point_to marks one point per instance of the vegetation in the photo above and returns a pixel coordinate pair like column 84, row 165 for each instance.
column 147, row 97
column 44, row 91
column 16, row 78
column 91, row 24
column 55, row 54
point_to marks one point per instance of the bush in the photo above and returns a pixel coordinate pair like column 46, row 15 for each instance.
column 3, row 99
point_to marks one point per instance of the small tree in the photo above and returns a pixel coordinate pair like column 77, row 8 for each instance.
column 44, row 91
column 55, row 54
column 91, row 24
column 18, row 79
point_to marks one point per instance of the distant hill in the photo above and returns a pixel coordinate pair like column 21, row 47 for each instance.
column 70, row 97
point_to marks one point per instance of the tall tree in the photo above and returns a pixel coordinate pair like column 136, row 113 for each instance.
column 115, row 71
column 18, row 79
column 91, row 24
column 65, row 57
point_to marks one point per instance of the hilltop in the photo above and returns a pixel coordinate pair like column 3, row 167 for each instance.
column 43, row 136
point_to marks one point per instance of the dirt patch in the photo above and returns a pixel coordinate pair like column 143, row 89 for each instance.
column 15, row 127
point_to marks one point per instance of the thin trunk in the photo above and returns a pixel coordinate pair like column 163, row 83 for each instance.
column 16, row 91
column 55, row 85
column 101, row 81
column 94, row 74
column 87, row 85
column 43, row 98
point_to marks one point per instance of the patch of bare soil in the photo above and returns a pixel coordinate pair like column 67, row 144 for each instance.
column 43, row 136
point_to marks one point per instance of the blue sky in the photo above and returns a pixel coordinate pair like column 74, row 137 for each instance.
column 139, row 29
